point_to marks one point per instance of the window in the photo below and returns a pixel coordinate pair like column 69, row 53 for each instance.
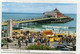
column 60, row 35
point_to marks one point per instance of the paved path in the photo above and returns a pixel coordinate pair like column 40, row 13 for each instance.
column 12, row 46
column 23, row 45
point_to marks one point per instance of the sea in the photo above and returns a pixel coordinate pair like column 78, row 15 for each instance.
column 57, row 27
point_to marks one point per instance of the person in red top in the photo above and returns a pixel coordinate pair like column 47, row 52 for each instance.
column 38, row 42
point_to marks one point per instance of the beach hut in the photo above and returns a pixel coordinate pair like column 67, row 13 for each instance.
column 47, row 32
column 58, row 36
column 49, row 35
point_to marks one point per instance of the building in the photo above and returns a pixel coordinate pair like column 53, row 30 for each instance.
column 54, row 13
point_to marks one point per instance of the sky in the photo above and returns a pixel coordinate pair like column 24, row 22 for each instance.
column 38, row 7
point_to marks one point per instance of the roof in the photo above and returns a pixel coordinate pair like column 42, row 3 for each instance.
column 48, row 32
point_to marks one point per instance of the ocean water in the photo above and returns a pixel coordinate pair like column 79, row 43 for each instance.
column 16, row 16
column 69, row 26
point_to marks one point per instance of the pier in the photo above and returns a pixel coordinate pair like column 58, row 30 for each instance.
column 42, row 20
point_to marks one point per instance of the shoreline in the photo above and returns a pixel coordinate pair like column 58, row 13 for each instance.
column 54, row 31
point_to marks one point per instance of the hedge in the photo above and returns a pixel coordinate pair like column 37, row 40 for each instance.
column 39, row 47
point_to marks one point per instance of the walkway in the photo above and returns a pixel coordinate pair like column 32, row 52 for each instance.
column 23, row 45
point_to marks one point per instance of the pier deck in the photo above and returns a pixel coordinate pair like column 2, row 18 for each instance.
column 36, row 20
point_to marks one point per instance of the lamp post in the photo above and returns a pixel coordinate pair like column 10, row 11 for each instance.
column 9, row 29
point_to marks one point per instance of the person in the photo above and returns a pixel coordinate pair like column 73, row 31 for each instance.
column 67, row 39
column 48, row 42
column 42, row 40
column 33, row 40
column 26, row 42
column 7, row 46
column 60, row 41
column 22, row 39
column 29, row 39
column 19, row 43
column 45, row 40
column 38, row 42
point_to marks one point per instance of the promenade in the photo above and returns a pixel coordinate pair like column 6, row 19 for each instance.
column 23, row 45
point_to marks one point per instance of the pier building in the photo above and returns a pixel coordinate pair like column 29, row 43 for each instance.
column 54, row 13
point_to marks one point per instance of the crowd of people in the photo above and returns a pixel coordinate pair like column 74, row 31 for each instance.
column 39, row 39
column 69, row 39
column 33, row 38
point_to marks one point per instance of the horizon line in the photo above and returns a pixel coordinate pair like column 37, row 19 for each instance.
column 28, row 12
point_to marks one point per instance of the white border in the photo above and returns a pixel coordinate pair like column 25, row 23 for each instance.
column 78, row 29
column 42, row 1
column 0, row 23
column 51, row 1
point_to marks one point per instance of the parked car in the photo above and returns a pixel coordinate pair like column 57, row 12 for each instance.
column 65, row 49
column 62, row 48
column 68, row 45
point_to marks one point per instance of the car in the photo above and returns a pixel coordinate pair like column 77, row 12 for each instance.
column 68, row 45
column 62, row 48
column 65, row 49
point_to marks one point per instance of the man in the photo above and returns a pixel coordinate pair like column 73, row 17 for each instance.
column 22, row 39
column 19, row 43
column 26, row 42
column 48, row 43
column 7, row 46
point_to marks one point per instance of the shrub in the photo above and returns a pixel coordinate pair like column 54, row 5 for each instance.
column 39, row 47
column 4, row 41
column 8, row 39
